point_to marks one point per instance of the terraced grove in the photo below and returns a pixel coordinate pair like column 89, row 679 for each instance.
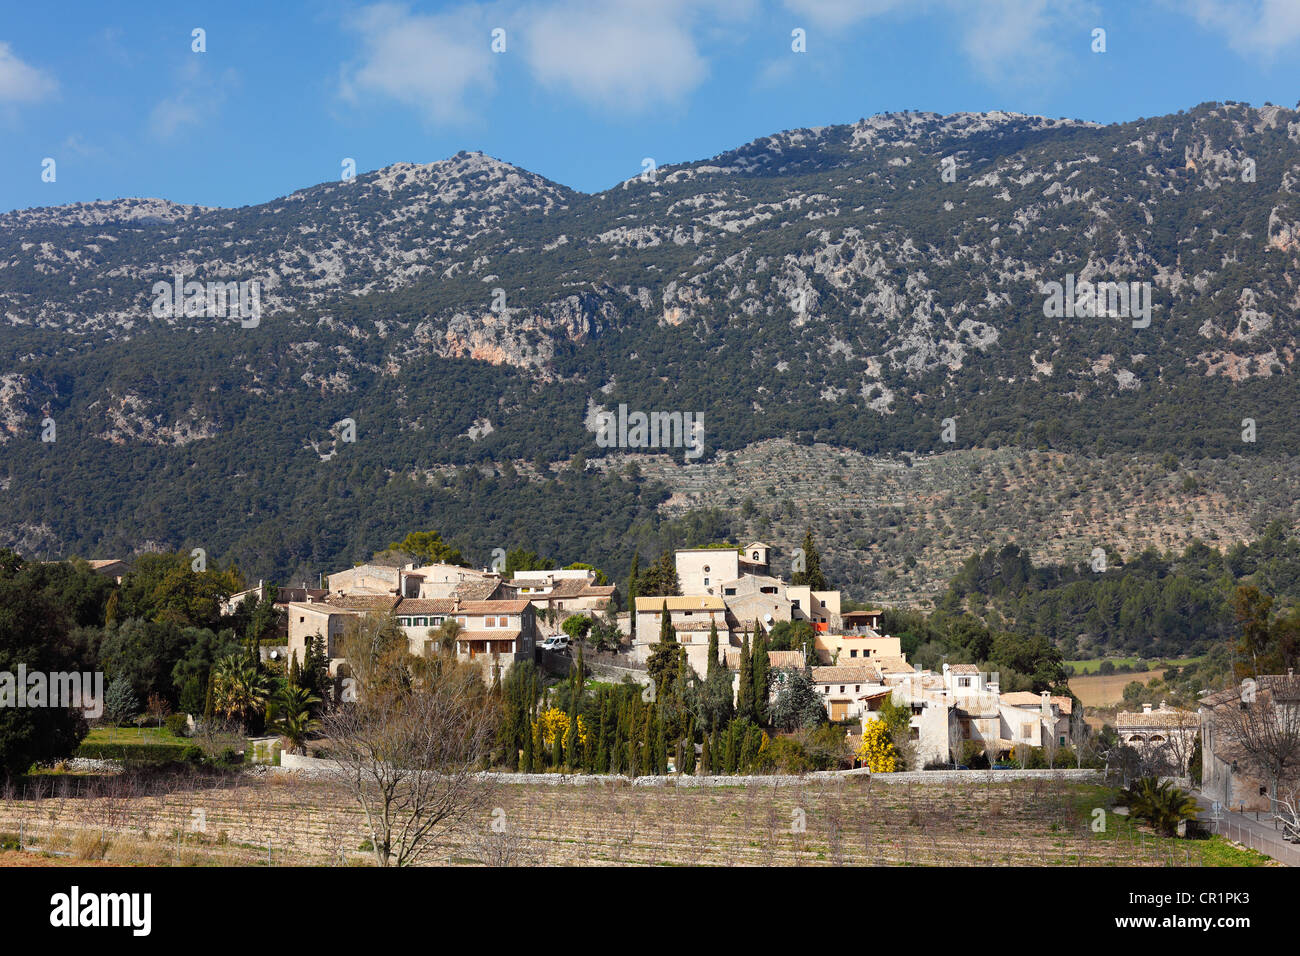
column 281, row 819
column 896, row 533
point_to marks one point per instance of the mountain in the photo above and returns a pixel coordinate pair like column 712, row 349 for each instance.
column 876, row 287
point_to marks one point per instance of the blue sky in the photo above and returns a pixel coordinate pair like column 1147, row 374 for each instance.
column 584, row 90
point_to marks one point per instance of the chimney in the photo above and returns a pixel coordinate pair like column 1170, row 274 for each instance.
column 1146, row 708
column 1046, row 698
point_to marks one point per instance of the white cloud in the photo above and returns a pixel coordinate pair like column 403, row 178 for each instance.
column 197, row 99
column 837, row 14
column 435, row 63
column 21, row 83
column 622, row 54
column 1252, row 27
column 1016, row 42
column 1006, row 42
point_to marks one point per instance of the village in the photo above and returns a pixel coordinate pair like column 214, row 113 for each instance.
column 956, row 715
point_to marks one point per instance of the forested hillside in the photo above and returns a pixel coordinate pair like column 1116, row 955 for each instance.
column 823, row 285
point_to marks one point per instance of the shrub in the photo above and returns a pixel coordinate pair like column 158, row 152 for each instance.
column 132, row 752
column 877, row 751
column 787, row 755
column 972, row 755
column 177, row 725
column 1162, row 805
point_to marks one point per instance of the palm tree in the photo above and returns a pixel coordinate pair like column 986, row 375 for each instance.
column 289, row 715
column 239, row 689
column 1162, row 805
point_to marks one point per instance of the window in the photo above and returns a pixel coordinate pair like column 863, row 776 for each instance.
column 795, row 604
column 706, row 582
column 730, row 592
column 706, row 571
column 963, row 681
column 853, row 653
column 841, row 688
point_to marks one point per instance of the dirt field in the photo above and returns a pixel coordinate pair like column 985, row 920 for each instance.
column 1107, row 690
column 279, row 819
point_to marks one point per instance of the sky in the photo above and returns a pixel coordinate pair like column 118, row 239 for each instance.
column 281, row 93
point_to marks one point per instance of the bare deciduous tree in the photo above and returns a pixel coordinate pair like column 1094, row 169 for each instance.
column 1263, row 734
column 409, row 748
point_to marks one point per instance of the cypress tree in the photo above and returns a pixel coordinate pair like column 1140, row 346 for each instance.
column 661, row 749
column 527, row 765
column 705, row 769
column 632, row 588
column 667, row 634
column 730, row 756
column 811, row 576
column 713, row 650
column 762, row 669
column 295, row 675
column 745, row 692
column 557, row 751
column 687, row 763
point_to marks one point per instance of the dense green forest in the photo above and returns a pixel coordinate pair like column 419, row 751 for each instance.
column 1152, row 606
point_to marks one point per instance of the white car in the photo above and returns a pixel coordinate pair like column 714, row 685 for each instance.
column 556, row 643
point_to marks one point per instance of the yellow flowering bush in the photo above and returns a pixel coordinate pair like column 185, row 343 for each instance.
column 554, row 721
column 877, row 751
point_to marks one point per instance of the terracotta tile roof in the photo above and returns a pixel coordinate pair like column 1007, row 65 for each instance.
column 409, row 606
column 476, row 590
column 842, row 675
column 363, row 602
column 963, row 669
column 495, row 607
column 497, row 634
column 687, row 603
column 1285, row 687
column 1168, row 717
column 785, row 658
column 893, row 665
column 290, row 595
